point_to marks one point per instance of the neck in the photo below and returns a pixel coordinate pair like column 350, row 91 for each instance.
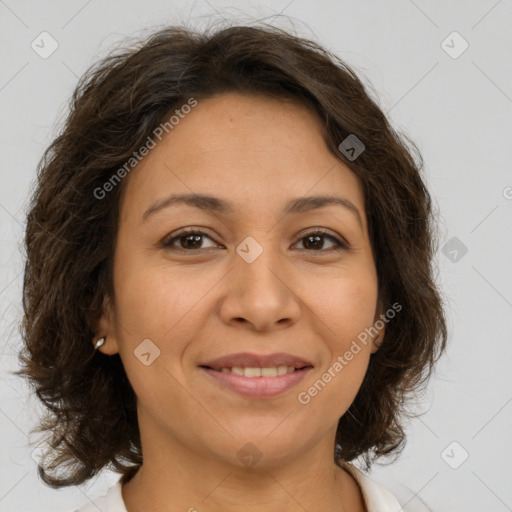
column 179, row 477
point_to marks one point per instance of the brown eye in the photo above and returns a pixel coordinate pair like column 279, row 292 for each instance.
column 314, row 241
column 187, row 240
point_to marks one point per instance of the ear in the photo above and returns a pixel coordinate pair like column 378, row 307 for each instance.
column 380, row 325
column 105, row 327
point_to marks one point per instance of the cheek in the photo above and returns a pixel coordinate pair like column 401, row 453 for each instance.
column 332, row 389
column 345, row 314
column 153, row 298
column 161, row 304
column 327, row 397
column 346, row 306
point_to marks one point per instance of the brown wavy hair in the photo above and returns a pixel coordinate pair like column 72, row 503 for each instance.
column 91, row 421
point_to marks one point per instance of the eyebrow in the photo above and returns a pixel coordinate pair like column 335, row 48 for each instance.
column 214, row 204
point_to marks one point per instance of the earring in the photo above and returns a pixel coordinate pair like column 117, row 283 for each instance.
column 99, row 343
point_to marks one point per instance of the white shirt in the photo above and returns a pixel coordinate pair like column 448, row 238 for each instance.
column 376, row 497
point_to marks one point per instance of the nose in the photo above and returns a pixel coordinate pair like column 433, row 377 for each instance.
column 261, row 293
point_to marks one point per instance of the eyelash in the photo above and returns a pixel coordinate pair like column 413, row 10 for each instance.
column 167, row 243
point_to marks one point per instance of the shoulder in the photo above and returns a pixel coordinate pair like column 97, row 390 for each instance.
column 112, row 501
column 378, row 498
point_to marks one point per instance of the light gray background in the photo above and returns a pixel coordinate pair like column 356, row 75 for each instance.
column 458, row 110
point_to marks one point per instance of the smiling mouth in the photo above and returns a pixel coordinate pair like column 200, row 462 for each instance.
column 257, row 382
column 254, row 372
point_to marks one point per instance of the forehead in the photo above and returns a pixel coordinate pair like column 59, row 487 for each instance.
column 255, row 151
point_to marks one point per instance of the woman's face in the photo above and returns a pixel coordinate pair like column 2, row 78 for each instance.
column 252, row 278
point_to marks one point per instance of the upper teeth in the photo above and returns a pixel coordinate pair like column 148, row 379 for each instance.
column 272, row 371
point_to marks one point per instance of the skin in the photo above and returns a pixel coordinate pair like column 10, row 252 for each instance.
column 307, row 300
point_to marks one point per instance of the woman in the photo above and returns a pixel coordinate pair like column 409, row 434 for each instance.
column 229, row 291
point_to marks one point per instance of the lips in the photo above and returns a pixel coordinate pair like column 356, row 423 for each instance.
column 248, row 360
column 256, row 387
